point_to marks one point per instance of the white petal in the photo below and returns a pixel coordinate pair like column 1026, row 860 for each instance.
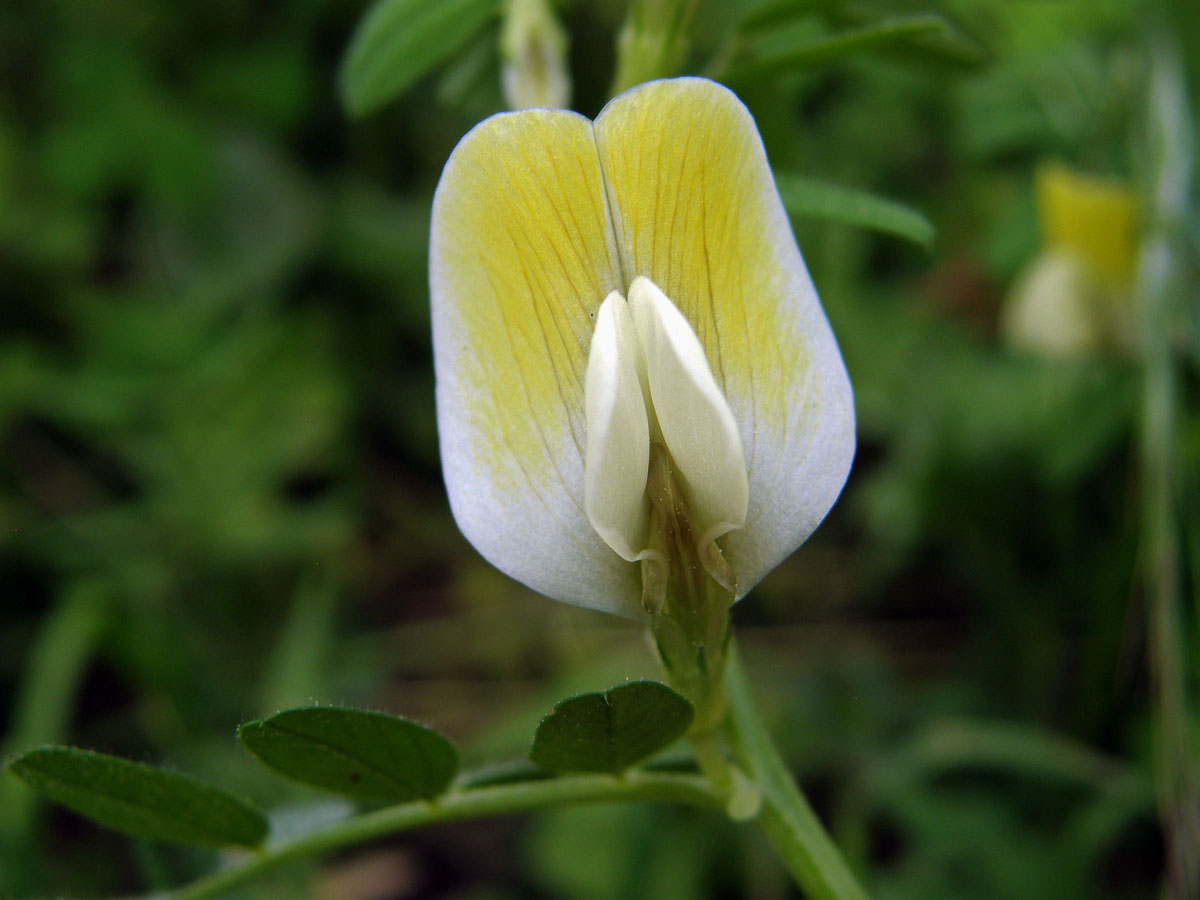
column 697, row 427
column 618, row 433
column 696, row 211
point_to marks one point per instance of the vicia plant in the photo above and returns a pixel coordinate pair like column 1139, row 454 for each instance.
column 641, row 405
column 642, row 410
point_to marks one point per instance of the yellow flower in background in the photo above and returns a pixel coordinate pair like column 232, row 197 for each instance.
column 1074, row 299
column 1094, row 218
column 620, row 298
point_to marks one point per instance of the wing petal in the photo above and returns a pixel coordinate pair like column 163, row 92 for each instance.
column 618, row 439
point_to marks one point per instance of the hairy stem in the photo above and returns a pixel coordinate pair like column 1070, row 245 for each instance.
column 785, row 817
column 642, row 786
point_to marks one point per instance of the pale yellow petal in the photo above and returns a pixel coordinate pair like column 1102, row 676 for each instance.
column 521, row 256
column 695, row 210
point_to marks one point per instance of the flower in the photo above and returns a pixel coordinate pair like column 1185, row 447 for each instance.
column 1075, row 298
column 616, row 295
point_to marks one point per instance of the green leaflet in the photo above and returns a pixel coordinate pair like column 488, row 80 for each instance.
column 814, row 199
column 612, row 731
column 921, row 37
column 398, row 41
column 366, row 755
column 140, row 799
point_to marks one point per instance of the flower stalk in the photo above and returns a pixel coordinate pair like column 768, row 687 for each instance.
column 785, row 818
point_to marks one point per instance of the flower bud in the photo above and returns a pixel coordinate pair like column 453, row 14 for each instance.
column 533, row 47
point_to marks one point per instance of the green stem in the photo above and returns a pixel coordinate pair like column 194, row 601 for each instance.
column 1162, row 291
column 471, row 803
column 707, row 747
column 786, row 819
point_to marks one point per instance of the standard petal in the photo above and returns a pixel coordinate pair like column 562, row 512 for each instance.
column 521, row 257
column 697, row 427
column 695, row 210
column 618, row 433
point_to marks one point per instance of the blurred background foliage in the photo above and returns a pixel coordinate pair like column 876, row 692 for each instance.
column 219, row 482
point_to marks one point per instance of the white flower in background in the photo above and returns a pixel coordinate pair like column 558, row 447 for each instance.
column 614, row 296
